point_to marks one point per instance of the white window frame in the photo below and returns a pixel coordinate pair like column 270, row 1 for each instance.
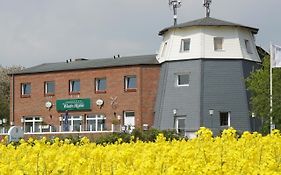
column 126, row 81
column 183, row 41
column 228, row 119
column 71, row 86
column 72, row 119
column 46, row 87
column 33, row 120
column 97, row 84
column 129, row 127
column 177, row 79
column 248, row 46
column 95, row 118
column 22, row 88
column 222, row 43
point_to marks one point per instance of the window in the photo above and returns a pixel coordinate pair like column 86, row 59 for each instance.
column 75, row 123
column 248, row 46
column 129, row 120
column 218, row 43
column 180, row 125
column 183, row 79
column 130, row 83
column 32, row 124
column 49, row 87
column 25, row 89
column 185, row 45
column 74, row 86
column 95, row 122
column 224, row 118
column 164, row 50
column 101, row 85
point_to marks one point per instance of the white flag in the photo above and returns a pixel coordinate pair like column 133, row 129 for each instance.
column 276, row 56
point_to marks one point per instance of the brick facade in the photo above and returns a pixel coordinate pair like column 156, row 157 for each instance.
column 141, row 100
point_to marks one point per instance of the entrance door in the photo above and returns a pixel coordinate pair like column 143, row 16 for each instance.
column 129, row 120
column 180, row 125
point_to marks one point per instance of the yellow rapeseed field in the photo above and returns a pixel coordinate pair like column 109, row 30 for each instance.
column 252, row 153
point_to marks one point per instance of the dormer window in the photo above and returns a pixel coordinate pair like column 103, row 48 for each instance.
column 248, row 46
column 185, row 45
column 218, row 43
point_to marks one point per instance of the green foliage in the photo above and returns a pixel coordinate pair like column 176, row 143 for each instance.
column 137, row 134
column 259, row 86
column 5, row 89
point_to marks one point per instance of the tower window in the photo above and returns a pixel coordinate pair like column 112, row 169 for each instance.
column 218, row 43
column 182, row 79
column 185, row 45
column 164, row 49
column 225, row 118
column 248, row 46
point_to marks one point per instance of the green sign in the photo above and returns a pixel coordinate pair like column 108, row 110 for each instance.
column 73, row 104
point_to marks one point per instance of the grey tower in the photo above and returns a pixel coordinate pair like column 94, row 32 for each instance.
column 202, row 82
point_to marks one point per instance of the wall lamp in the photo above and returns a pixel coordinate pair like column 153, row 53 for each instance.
column 175, row 111
column 211, row 112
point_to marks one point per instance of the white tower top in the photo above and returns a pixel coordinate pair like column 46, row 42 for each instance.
column 208, row 38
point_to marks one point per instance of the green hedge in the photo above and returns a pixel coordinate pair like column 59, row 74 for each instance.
column 137, row 134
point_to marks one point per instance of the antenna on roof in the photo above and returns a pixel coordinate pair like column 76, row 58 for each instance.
column 175, row 4
column 207, row 6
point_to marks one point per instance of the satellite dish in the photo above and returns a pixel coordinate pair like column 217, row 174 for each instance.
column 99, row 102
column 48, row 104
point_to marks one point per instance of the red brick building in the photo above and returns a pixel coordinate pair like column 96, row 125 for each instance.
column 95, row 94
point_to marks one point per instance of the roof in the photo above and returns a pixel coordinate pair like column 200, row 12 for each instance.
column 92, row 63
column 208, row 21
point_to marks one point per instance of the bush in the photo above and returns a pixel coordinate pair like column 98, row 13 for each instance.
column 137, row 134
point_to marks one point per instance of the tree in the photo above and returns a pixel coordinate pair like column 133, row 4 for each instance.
column 259, row 87
column 5, row 90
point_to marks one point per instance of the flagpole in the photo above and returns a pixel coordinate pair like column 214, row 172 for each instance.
column 270, row 79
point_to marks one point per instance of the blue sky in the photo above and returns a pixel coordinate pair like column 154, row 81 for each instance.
column 33, row 32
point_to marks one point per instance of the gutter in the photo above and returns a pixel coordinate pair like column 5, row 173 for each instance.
column 13, row 100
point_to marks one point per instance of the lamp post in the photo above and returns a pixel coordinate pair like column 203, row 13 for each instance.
column 175, row 112
column 254, row 121
column 175, row 120
column 1, row 122
column 119, row 121
column 60, row 121
column 4, row 125
column 211, row 113
column 22, row 123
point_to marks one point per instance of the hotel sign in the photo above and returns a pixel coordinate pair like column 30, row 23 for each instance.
column 73, row 104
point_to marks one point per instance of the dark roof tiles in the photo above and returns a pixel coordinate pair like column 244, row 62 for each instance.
column 208, row 21
column 93, row 63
